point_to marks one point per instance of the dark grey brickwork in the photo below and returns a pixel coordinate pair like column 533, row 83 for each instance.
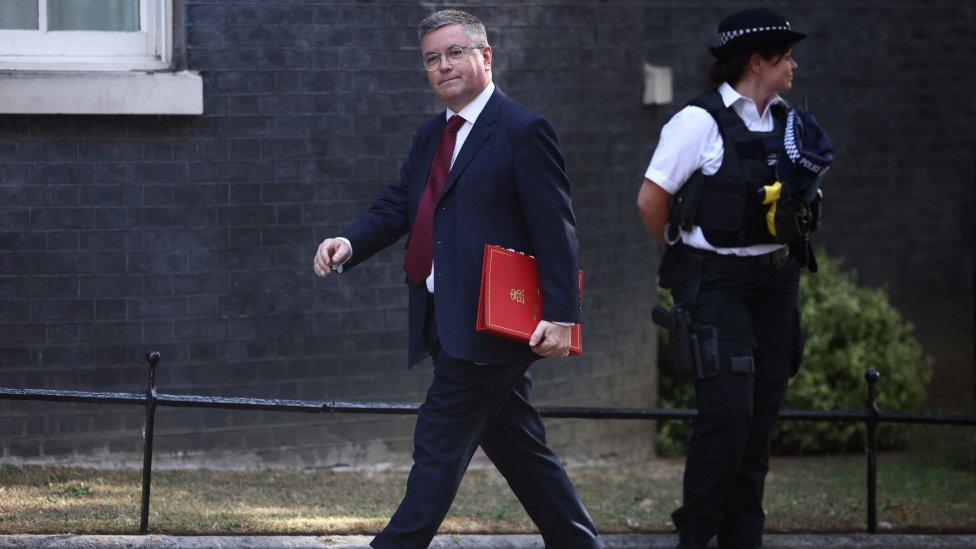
column 193, row 235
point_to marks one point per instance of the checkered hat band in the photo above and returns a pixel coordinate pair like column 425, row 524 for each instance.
column 725, row 37
column 789, row 138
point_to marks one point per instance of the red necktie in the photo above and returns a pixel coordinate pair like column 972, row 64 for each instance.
column 420, row 250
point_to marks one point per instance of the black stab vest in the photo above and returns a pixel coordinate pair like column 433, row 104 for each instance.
column 728, row 205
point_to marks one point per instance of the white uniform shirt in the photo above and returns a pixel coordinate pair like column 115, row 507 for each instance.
column 691, row 141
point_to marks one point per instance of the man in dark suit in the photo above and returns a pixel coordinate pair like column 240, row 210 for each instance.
column 486, row 171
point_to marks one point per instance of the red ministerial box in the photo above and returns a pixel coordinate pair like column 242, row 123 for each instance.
column 510, row 302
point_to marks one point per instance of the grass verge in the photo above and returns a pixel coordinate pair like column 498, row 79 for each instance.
column 824, row 494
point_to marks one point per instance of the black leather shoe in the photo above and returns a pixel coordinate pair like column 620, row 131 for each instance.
column 693, row 540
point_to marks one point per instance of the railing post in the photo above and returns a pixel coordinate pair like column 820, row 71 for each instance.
column 152, row 359
column 874, row 414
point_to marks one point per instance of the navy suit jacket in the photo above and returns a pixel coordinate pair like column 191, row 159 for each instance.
column 507, row 186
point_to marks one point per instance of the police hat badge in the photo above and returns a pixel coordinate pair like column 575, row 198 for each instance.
column 806, row 154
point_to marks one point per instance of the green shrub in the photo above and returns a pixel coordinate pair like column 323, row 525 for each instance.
column 849, row 329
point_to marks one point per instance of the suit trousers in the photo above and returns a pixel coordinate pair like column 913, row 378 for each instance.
column 756, row 314
column 468, row 405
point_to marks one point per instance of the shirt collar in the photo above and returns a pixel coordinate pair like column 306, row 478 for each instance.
column 472, row 110
column 730, row 96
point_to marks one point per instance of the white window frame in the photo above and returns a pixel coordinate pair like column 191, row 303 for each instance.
column 149, row 49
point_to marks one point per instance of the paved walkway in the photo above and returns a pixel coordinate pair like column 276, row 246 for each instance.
column 614, row 541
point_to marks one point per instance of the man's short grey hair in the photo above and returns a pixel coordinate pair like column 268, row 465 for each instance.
column 471, row 25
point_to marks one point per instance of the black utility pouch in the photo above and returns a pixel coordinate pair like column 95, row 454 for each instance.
column 693, row 348
column 743, row 365
column 705, row 348
column 791, row 219
column 684, row 204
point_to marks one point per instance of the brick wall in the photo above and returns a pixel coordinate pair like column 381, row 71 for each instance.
column 193, row 235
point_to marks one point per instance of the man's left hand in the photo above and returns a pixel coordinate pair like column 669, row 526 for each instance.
column 550, row 339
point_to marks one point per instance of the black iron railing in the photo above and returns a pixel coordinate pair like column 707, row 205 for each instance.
column 871, row 416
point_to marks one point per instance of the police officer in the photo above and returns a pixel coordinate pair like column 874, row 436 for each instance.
column 735, row 239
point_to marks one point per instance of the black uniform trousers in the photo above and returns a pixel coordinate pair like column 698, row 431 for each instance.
column 468, row 405
column 754, row 305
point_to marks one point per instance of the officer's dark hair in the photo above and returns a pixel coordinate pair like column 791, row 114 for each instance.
column 732, row 70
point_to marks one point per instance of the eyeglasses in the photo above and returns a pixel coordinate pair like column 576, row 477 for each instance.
column 453, row 54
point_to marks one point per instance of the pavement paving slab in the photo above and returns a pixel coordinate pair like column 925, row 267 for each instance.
column 613, row 541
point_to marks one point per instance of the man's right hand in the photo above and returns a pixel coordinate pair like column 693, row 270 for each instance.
column 332, row 253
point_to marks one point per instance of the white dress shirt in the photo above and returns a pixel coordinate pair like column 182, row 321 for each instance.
column 691, row 141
